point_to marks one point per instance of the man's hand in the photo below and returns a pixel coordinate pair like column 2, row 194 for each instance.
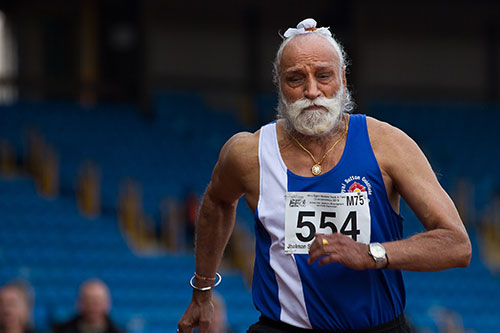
column 342, row 249
column 200, row 312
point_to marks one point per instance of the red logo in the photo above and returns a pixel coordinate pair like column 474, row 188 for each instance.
column 357, row 187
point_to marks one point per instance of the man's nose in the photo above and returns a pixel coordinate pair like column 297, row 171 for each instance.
column 311, row 89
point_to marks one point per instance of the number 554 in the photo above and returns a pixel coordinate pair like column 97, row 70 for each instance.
column 350, row 222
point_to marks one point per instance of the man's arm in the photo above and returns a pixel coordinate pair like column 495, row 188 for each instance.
column 407, row 172
column 214, row 227
column 445, row 244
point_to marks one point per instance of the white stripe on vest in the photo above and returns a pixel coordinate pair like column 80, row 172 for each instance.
column 271, row 209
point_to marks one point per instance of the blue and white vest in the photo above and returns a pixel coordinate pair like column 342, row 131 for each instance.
column 332, row 297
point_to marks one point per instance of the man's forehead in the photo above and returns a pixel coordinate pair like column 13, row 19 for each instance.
column 93, row 288
column 10, row 293
column 314, row 49
column 316, row 66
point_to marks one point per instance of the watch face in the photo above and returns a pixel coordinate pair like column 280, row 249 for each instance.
column 377, row 251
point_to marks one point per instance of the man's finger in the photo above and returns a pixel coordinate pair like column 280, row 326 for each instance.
column 204, row 326
column 315, row 254
column 329, row 259
column 185, row 326
column 185, row 329
column 318, row 248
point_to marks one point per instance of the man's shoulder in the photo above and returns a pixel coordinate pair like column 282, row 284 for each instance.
column 377, row 125
column 240, row 153
column 383, row 133
column 112, row 327
column 392, row 147
column 72, row 325
column 244, row 140
column 67, row 326
column 241, row 145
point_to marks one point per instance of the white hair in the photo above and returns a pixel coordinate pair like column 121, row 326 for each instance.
column 348, row 103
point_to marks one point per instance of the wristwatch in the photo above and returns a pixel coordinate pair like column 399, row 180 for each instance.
column 377, row 251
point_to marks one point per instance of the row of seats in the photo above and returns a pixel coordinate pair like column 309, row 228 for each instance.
column 167, row 156
column 459, row 140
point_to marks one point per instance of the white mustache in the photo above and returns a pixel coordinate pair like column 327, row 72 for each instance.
column 319, row 102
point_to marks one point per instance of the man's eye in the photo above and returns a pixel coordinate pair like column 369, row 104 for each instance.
column 324, row 76
column 294, row 79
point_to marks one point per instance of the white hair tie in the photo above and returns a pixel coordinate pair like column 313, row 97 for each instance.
column 305, row 27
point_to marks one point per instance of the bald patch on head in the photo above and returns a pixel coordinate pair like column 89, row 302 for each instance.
column 94, row 285
column 94, row 300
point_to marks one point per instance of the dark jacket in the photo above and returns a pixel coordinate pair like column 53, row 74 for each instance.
column 26, row 330
column 73, row 326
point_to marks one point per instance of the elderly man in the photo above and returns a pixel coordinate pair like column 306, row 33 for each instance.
column 325, row 187
column 94, row 303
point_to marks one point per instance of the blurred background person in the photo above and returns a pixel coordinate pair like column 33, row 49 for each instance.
column 447, row 320
column 191, row 209
column 94, row 304
column 15, row 309
column 219, row 323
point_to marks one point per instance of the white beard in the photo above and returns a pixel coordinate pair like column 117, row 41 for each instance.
column 316, row 122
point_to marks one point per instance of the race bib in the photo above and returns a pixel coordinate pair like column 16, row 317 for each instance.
column 308, row 213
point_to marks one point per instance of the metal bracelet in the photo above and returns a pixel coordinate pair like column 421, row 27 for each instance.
column 191, row 283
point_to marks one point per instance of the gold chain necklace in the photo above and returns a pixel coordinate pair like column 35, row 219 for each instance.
column 316, row 168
